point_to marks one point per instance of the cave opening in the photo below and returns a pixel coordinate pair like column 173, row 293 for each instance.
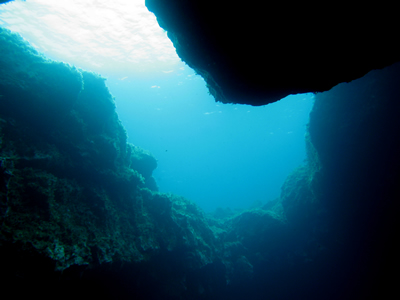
column 79, row 204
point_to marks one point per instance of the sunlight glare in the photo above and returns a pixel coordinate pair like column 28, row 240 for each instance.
column 114, row 34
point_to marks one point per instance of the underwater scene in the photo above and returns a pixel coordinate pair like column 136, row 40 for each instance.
column 121, row 177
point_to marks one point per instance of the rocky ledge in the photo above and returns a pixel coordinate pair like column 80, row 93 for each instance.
column 257, row 53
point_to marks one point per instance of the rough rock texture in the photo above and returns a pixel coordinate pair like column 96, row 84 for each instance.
column 257, row 53
column 74, row 196
column 78, row 204
column 80, row 214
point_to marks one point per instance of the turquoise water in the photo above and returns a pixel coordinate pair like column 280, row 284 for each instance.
column 218, row 155
column 214, row 154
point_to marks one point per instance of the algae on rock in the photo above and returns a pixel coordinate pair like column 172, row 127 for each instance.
column 71, row 188
column 79, row 203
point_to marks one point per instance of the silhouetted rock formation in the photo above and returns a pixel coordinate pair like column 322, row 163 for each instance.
column 257, row 53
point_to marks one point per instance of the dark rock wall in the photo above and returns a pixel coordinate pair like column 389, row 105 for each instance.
column 335, row 238
column 78, row 204
column 257, row 53
column 354, row 129
column 346, row 200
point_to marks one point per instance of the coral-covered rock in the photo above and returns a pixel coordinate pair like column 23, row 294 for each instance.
column 74, row 195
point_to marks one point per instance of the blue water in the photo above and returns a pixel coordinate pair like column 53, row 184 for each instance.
column 217, row 155
column 214, row 154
